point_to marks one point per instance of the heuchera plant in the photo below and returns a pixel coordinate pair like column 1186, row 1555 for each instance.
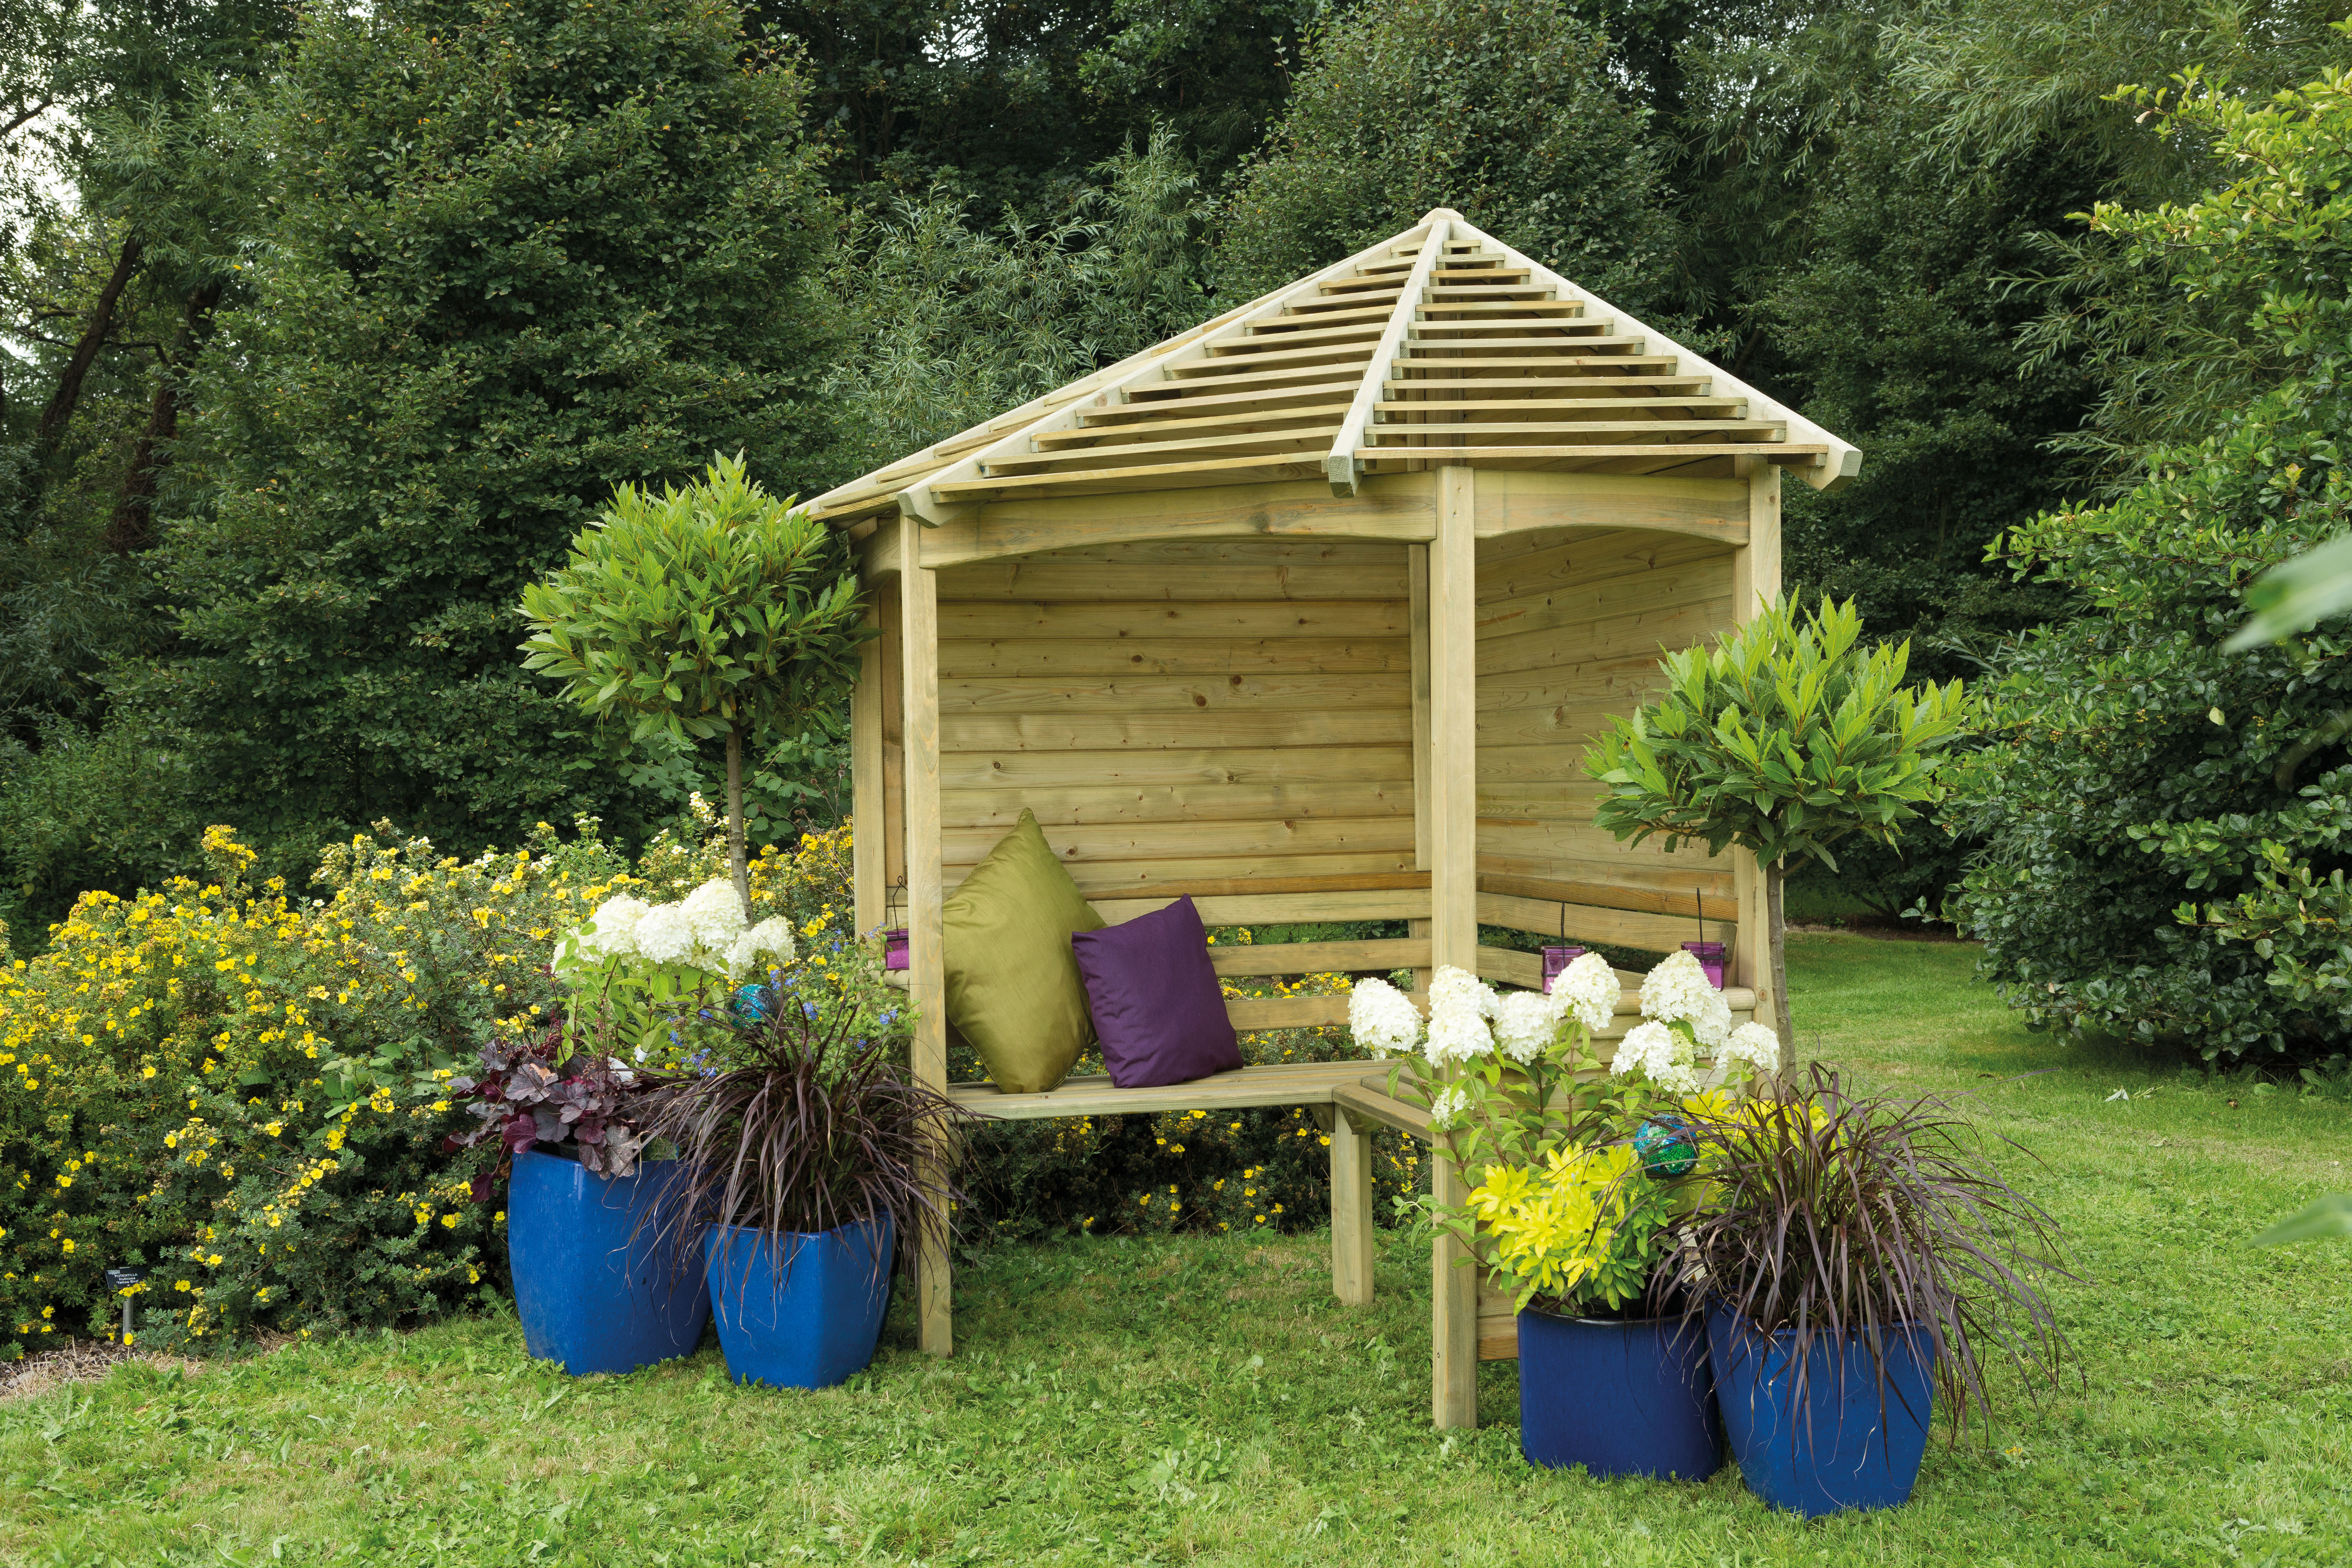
column 588, row 1106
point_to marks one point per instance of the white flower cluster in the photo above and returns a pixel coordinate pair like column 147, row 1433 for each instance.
column 706, row 930
column 1459, row 1006
column 1678, row 992
column 1448, row 1108
column 1383, row 1018
column 1588, row 988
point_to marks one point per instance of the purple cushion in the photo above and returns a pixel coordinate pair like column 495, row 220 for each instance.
column 1157, row 1008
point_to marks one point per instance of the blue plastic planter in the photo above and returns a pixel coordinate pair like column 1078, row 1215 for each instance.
column 1837, row 1452
column 811, row 1324
column 595, row 1291
column 1632, row 1398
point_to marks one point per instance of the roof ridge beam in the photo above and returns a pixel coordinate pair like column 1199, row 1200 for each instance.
column 1341, row 463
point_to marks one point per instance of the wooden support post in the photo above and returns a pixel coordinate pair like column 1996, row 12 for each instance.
column 1755, row 583
column 1351, row 1211
column 870, row 883
column 1453, row 897
column 1453, row 723
column 1417, row 559
column 926, row 971
column 1453, row 1314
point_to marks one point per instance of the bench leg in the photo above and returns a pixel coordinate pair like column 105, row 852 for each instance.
column 1351, row 1211
column 1453, row 1316
column 934, row 1282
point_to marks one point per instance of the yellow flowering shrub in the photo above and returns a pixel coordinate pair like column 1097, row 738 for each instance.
column 242, row 1089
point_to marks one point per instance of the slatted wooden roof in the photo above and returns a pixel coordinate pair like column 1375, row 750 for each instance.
column 1439, row 346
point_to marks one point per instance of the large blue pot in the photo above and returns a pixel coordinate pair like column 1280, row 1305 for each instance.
column 1839, row 1451
column 1632, row 1398
column 594, row 1287
column 795, row 1309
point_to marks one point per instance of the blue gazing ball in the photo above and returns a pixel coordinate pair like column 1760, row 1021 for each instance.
column 1666, row 1147
column 751, row 1004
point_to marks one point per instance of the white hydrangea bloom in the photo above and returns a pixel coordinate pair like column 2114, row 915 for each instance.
column 716, row 914
column 1712, row 1025
column 1677, row 990
column 1447, row 1108
column 1660, row 1054
column 1588, row 989
column 665, row 934
column 1459, row 1006
column 1459, row 989
column 770, row 940
column 615, row 920
column 1754, row 1044
column 1383, row 1018
column 1525, row 1023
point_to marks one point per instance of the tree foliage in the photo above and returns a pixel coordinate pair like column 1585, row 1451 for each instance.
column 1785, row 738
column 715, row 610
column 2167, row 818
column 1502, row 109
column 515, row 254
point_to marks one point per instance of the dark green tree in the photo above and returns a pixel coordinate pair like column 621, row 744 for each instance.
column 1505, row 111
column 2169, row 821
column 516, row 255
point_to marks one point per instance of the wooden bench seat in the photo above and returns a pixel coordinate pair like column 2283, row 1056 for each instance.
column 1348, row 1098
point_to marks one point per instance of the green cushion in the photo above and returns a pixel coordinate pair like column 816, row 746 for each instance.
column 1014, row 989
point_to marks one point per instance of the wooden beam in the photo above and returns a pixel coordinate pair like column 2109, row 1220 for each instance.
column 1389, row 509
column 926, row 969
column 1838, row 461
column 1452, row 720
column 1608, row 896
column 868, row 836
column 933, row 498
column 1755, row 583
column 1351, row 1210
column 1341, row 464
column 1453, row 1312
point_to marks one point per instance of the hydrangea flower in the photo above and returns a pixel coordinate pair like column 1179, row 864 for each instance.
column 1459, row 1006
column 665, row 934
column 1525, row 1023
column 1588, row 989
column 614, row 936
column 772, row 939
column 1446, row 1111
column 1660, row 1054
column 1677, row 990
column 1755, row 1044
column 716, row 914
column 1383, row 1018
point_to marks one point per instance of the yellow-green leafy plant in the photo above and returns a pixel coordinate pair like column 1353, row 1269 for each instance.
column 1582, row 1228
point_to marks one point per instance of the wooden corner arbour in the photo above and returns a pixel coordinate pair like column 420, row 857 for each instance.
column 1307, row 614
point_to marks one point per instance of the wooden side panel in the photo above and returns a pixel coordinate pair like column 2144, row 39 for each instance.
column 1572, row 622
column 868, row 834
column 1178, row 711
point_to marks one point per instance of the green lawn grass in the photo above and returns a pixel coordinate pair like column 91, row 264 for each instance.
column 1206, row 1400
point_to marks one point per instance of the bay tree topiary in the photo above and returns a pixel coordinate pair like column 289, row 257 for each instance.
column 712, row 611
column 1785, row 738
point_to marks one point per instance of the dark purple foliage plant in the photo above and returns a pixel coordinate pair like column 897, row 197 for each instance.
column 807, row 1117
column 1831, row 1215
column 589, row 1106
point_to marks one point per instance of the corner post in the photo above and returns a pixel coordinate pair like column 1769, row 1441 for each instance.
column 1453, row 899
column 1755, row 581
column 926, row 970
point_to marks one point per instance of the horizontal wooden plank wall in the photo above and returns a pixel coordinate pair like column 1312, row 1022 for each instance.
column 1183, row 712
column 1572, row 622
